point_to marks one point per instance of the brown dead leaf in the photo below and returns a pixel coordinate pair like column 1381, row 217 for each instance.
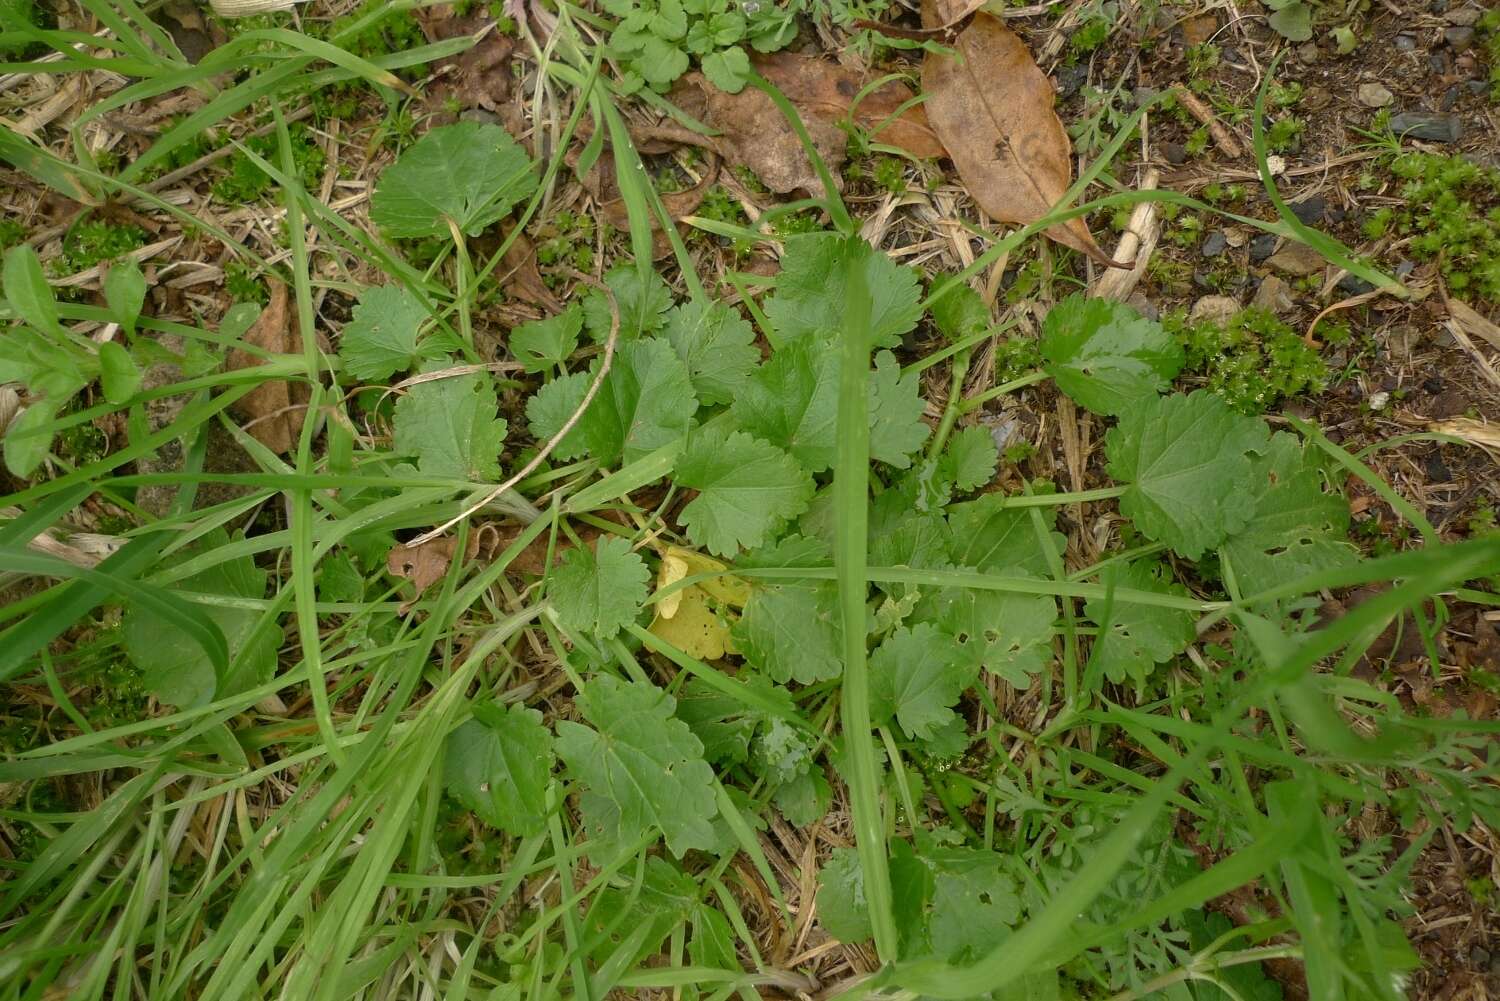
column 272, row 411
column 426, row 564
column 753, row 131
column 478, row 77
column 992, row 108
column 517, row 272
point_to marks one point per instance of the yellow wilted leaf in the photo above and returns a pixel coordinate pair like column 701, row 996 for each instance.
column 695, row 628
column 729, row 589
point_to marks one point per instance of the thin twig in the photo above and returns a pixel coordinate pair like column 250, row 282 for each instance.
column 1223, row 138
column 556, row 439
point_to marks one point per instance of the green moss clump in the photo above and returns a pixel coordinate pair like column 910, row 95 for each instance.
column 90, row 241
column 1253, row 361
column 242, row 284
column 1452, row 214
column 246, row 182
column 11, row 233
column 1489, row 27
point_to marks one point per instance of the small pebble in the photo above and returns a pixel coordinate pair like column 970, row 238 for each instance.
column 1297, row 259
column 1214, row 244
column 1176, row 153
column 1432, row 384
column 1405, row 268
column 1070, row 79
column 1373, row 95
column 1464, row 16
column 1436, row 471
column 1310, row 210
column 1308, row 53
column 1144, row 306
column 1446, row 128
column 1477, row 87
column 1438, row 6
column 1273, row 295
column 1378, row 401
column 1438, row 62
column 1405, row 43
column 1215, row 308
column 1459, row 39
column 1354, row 285
column 1450, row 98
column 1262, row 246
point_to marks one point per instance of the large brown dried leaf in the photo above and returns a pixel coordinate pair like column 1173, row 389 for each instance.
column 992, row 108
column 478, row 77
column 272, row 411
column 753, row 131
column 427, row 563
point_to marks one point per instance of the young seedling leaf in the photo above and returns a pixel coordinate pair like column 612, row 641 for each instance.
column 716, row 345
column 1134, row 638
column 747, row 489
column 809, row 296
column 598, row 591
column 451, row 426
column 645, row 402
column 1296, row 528
column 118, row 374
column 125, row 292
column 896, row 406
column 381, row 337
column 499, row 768
column 468, row 173
column 26, row 289
column 792, row 402
column 1104, row 355
column 642, row 760
column 1186, row 460
column 917, row 675
column 542, row 345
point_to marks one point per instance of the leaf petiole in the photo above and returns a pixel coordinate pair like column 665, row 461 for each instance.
column 975, row 402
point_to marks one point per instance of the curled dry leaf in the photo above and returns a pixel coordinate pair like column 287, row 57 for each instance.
column 991, row 106
column 753, row 131
column 426, row 564
column 272, row 411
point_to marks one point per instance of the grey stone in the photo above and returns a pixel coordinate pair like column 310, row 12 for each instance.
column 1438, row 62
column 1297, row 259
column 1404, row 268
column 1214, row 244
column 1176, row 153
column 1441, row 127
column 1144, row 306
column 1405, row 43
column 1373, row 95
column 1262, row 246
column 1450, row 98
column 1214, row 308
column 1310, row 210
column 1465, row 16
column 1459, row 39
column 1273, row 296
column 1354, row 285
column 1070, row 79
column 1308, row 53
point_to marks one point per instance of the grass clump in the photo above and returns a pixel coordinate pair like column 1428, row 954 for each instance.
column 246, row 182
column 1253, row 361
column 1452, row 214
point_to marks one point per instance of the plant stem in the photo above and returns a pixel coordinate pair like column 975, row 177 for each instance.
column 974, row 403
column 1058, row 500
column 465, row 269
column 953, row 406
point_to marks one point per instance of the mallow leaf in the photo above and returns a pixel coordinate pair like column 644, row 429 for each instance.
column 468, row 173
column 809, row 295
column 917, row 675
column 1134, row 638
column 598, row 591
column 498, row 765
column 790, row 630
column 546, row 343
column 380, row 339
column 1104, row 355
column 1186, row 461
column 550, row 408
column 717, row 345
column 642, row 761
column 747, row 489
column 994, row 538
column 1007, row 634
column 1296, row 527
column 452, row 427
column 645, row 402
column 843, row 910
